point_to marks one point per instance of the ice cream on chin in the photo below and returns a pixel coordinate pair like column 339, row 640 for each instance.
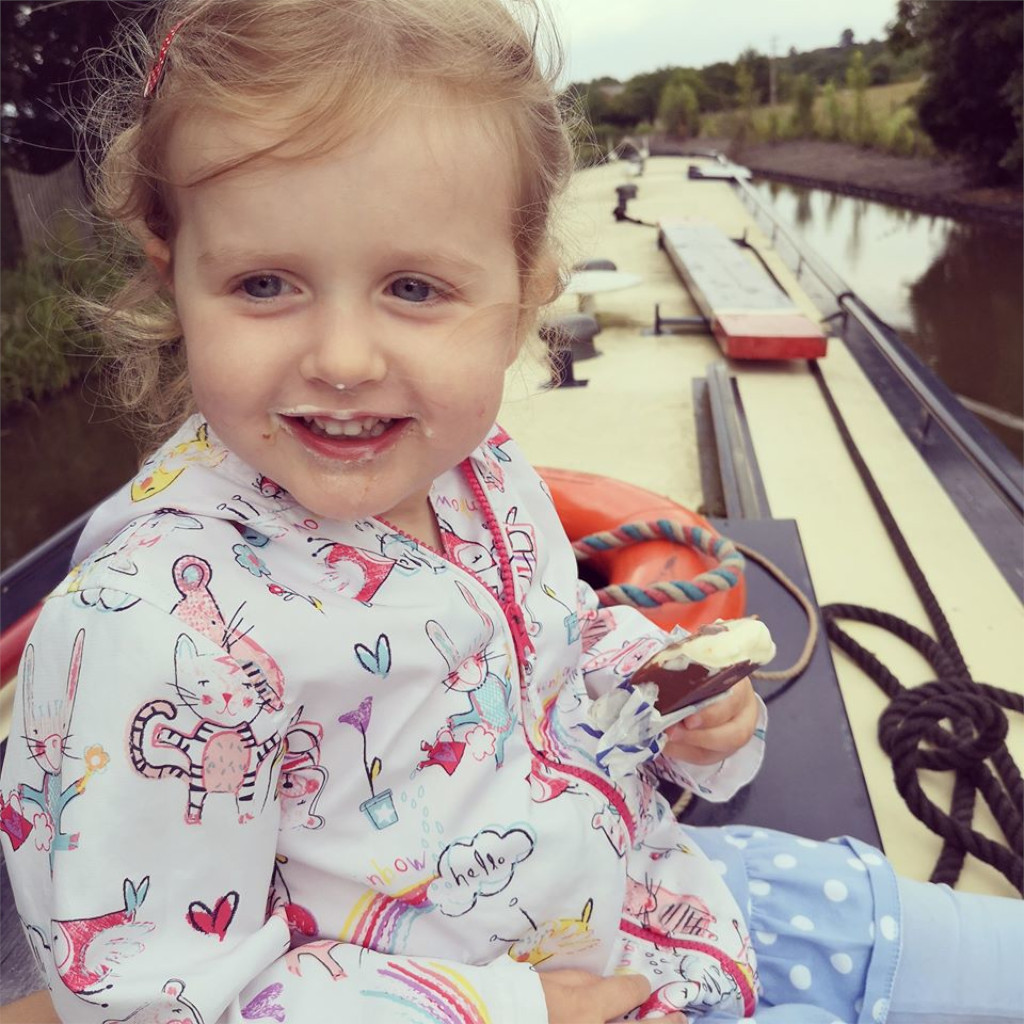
column 707, row 662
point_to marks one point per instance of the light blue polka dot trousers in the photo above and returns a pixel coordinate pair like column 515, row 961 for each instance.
column 834, row 946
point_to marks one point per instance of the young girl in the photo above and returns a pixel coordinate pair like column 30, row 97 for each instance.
column 313, row 730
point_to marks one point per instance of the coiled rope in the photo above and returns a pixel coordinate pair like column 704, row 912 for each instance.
column 730, row 557
column 912, row 730
column 726, row 575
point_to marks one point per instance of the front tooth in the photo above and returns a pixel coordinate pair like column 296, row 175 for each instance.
column 331, row 427
column 369, row 425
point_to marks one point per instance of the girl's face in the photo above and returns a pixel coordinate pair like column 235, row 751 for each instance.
column 349, row 317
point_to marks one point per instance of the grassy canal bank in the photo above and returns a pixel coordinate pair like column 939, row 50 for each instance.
column 930, row 185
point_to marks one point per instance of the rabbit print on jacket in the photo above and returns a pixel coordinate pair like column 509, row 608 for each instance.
column 273, row 763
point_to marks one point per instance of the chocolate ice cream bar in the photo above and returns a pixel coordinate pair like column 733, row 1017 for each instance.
column 707, row 662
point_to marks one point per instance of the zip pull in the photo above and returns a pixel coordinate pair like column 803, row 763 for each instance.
column 520, row 637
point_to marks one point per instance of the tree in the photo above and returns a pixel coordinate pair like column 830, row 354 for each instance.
column 639, row 101
column 880, row 70
column 846, row 39
column 41, row 49
column 719, row 81
column 904, row 30
column 759, row 67
column 857, row 79
column 802, row 117
column 679, row 111
column 745, row 95
column 833, row 111
column 970, row 104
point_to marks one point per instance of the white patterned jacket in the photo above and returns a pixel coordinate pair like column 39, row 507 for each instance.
column 277, row 767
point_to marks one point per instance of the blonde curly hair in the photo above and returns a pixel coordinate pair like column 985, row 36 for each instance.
column 314, row 72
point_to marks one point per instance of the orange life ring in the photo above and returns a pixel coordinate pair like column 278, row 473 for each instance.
column 588, row 503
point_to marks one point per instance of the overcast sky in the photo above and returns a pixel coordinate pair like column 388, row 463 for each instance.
column 622, row 38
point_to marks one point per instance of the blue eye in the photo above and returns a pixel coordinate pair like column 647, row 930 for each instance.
column 412, row 289
column 263, row 286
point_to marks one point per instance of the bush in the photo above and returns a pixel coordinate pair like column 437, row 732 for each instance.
column 44, row 345
column 880, row 70
column 678, row 110
column 901, row 135
column 863, row 132
column 802, row 117
column 835, row 115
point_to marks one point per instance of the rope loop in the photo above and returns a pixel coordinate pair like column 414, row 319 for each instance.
column 950, row 724
column 722, row 577
column 911, row 729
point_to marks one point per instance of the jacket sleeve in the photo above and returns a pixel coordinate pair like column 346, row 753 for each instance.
column 617, row 639
column 144, row 898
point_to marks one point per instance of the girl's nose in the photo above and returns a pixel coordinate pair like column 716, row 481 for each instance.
column 343, row 350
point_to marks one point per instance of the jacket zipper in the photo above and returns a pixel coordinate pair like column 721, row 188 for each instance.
column 515, row 620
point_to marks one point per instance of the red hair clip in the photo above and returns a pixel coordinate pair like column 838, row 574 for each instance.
column 158, row 68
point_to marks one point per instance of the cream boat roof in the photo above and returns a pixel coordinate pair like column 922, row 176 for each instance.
column 635, row 422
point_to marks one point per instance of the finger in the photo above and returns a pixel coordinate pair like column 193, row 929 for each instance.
column 743, row 711
column 614, row 996
column 708, row 746
column 711, row 745
column 729, row 736
column 691, row 754
column 732, row 704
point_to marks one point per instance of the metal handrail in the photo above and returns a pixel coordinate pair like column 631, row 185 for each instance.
column 937, row 400
column 1010, row 490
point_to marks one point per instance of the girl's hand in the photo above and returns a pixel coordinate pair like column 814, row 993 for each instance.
column 716, row 732
column 579, row 997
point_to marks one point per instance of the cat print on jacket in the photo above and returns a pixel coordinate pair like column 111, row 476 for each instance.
column 222, row 752
column 199, row 609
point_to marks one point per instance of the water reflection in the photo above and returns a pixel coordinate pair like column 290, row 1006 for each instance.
column 985, row 358
column 951, row 289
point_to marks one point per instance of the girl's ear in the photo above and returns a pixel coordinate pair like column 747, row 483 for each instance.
column 158, row 252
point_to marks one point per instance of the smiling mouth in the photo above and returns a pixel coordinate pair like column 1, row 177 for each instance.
column 363, row 428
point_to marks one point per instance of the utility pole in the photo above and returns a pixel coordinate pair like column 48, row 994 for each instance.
column 771, row 73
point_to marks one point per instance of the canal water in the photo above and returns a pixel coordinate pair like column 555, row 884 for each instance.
column 953, row 290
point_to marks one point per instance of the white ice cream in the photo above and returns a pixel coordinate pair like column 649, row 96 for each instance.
column 725, row 642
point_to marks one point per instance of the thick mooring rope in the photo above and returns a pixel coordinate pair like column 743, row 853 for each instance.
column 912, row 734
column 911, row 729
